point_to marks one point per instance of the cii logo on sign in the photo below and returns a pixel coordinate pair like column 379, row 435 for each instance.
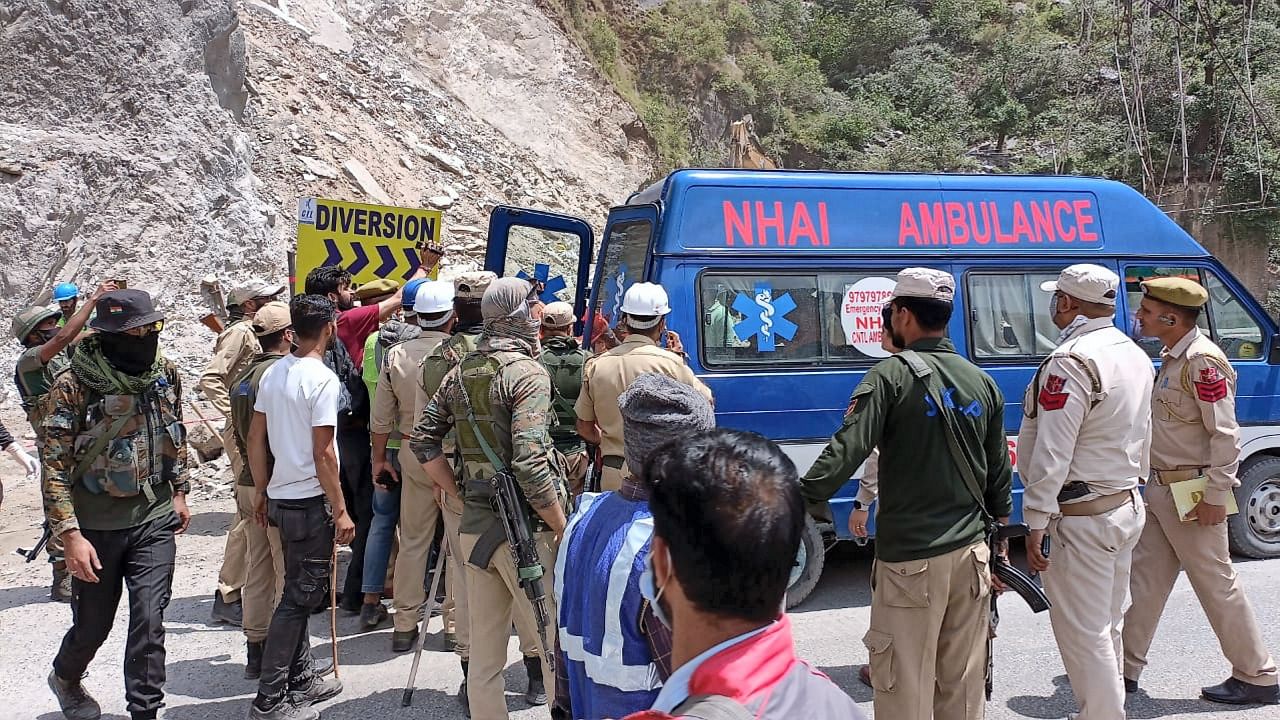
column 764, row 317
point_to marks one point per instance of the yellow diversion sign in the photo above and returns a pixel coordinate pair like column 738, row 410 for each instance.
column 370, row 241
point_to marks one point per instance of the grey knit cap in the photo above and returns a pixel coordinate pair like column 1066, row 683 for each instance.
column 657, row 408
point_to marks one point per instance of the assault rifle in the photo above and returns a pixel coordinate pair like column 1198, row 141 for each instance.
column 524, row 552
column 595, row 472
column 1015, row 579
column 34, row 552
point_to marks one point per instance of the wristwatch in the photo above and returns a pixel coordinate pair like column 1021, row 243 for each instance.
column 857, row 505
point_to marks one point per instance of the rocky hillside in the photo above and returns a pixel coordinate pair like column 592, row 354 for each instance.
column 164, row 141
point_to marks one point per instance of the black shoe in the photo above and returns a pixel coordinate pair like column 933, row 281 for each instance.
column 283, row 710
column 1130, row 686
column 372, row 615
column 225, row 612
column 60, row 590
column 1236, row 692
column 403, row 640
column 253, row 660
column 75, row 701
column 321, row 667
column 317, row 691
column 537, row 692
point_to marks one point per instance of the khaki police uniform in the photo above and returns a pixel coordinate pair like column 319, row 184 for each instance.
column 395, row 405
column 1193, row 434
column 607, row 376
column 232, row 353
column 1082, row 449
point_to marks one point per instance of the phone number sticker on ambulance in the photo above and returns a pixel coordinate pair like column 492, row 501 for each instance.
column 818, row 219
column 860, row 315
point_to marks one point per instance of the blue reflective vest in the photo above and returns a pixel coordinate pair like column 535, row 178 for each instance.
column 608, row 662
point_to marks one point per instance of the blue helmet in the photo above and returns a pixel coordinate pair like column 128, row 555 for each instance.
column 410, row 292
column 65, row 291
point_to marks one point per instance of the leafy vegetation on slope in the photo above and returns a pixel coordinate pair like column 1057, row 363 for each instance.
column 1157, row 93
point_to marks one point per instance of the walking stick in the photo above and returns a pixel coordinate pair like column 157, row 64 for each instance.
column 333, row 607
column 407, row 698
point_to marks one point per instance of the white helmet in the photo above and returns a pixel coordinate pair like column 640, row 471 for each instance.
column 645, row 300
column 433, row 296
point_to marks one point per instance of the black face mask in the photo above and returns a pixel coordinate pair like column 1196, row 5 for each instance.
column 129, row 354
column 887, row 315
column 44, row 336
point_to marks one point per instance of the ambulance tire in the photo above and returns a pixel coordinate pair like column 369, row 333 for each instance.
column 811, row 554
column 1255, row 531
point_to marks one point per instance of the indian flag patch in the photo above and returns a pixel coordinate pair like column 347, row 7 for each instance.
column 115, row 309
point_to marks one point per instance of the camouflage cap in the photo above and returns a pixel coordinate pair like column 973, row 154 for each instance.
column 471, row 285
column 1176, row 291
column 253, row 289
column 30, row 319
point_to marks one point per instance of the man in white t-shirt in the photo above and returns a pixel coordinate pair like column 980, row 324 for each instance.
column 295, row 416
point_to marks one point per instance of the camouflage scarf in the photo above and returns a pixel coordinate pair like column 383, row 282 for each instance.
column 91, row 368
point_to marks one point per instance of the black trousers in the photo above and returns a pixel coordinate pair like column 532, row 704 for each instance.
column 354, row 454
column 306, row 539
column 140, row 559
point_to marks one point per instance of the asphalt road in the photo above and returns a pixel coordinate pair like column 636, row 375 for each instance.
column 205, row 662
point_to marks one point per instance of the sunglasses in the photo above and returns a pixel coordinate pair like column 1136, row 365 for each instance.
column 145, row 330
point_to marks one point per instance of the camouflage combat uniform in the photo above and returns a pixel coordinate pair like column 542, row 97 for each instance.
column 123, row 505
column 510, row 394
column 33, row 378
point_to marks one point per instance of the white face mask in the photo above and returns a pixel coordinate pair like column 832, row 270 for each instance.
column 1066, row 331
column 651, row 592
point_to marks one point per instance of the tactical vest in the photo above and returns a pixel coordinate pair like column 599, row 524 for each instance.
column 33, row 385
column 564, row 363
column 443, row 358
column 477, row 373
column 129, row 442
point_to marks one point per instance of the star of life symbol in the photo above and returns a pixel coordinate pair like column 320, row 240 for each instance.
column 619, row 289
column 764, row 317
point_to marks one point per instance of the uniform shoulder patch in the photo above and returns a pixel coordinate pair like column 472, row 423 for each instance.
column 1053, row 395
column 1211, row 385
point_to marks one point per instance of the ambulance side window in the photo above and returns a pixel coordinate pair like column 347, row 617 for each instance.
column 852, row 305
column 1133, row 277
column 759, row 319
column 1234, row 329
column 625, row 249
column 1009, row 315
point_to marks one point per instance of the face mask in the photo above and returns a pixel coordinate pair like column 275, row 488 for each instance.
column 130, row 354
column 650, row 591
column 1066, row 331
column 45, row 335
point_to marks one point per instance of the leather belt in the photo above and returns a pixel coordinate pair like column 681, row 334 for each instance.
column 613, row 461
column 1169, row 477
column 1097, row 505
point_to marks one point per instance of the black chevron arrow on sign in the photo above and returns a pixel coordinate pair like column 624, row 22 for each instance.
column 388, row 262
column 362, row 259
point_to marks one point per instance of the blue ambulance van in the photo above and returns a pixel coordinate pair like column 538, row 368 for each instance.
column 777, row 278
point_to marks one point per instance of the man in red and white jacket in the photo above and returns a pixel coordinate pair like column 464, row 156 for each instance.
column 727, row 519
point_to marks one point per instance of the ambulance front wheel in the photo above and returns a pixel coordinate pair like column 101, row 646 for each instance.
column 1255, row 530
column 808, row 567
